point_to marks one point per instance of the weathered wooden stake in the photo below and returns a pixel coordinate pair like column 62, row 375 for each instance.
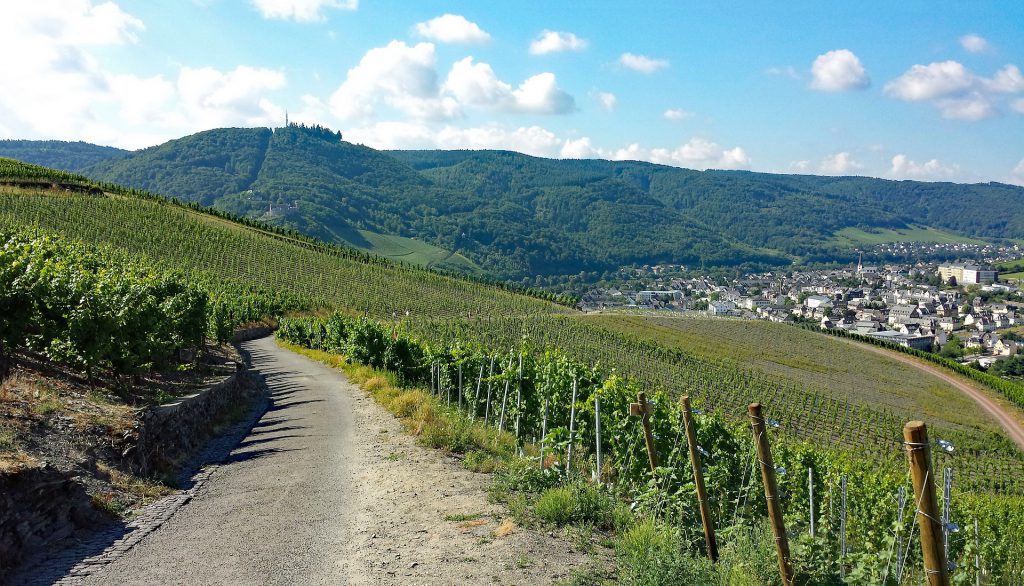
column 919, row 455
column 771, row 493
column 460, row 387
column 698, row 480
column 643, row 409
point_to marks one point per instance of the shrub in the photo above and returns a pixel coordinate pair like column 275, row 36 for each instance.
column 651, row 554
column 556, row 505
column 579, row 502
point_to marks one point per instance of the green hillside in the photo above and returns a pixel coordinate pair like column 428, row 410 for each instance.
column 59, row 154
column 528, row 218
column 912, row 233
column 178, row 237
column 822, row 389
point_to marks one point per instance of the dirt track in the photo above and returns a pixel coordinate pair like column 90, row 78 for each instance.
column 329, row 489
column 1012, row 426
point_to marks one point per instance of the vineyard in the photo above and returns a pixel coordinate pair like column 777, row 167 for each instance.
column 182, row 238
column 574, row 420
column 157, row 276
column 986, row 460
column 102, row 311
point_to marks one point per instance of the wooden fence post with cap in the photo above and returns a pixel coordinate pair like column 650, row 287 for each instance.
column 919, row 455
column 698, row 480
column 643, row 408
column 771, row 493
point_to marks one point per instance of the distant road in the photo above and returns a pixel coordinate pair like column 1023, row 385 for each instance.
column 1012, row 426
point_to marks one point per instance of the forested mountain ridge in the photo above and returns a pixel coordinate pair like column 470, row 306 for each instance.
column 521, row 216
column 59, row 154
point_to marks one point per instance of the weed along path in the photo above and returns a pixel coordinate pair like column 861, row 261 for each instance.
column 327, row 488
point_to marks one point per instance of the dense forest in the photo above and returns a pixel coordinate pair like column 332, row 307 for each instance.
column 521, row 216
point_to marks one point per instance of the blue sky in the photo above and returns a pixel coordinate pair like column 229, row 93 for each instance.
column 923, row 90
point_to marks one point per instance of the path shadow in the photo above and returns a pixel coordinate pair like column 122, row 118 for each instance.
column 264, row 440
column 237, row 457
column 279, row 429
column 56, row 561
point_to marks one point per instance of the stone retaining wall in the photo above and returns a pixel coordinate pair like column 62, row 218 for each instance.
column 39, row 505
column 250, row 334
column 167, row 435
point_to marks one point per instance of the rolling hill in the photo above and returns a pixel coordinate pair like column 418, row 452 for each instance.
column 513, row 216
column 722, row 364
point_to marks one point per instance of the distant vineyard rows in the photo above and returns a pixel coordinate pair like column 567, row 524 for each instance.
column 550, row 400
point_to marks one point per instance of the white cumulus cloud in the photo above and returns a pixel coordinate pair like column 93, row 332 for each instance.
column 973, row 43
column 837, row 71
column 452, row 28
column 1017, row 175
column 400, row 76
column 926, row 82
column 540, row 94
column 556, row 42
column 904, row 168
column 606, row 100
column 697, row 153
column 578, row 148
column 675, row 114
column 956, row 91
column 300, row 10
column 839, row 164
column 213, row 98
column 1018, row 106
column 476, row 84
column 57, row 88
column 642, row 63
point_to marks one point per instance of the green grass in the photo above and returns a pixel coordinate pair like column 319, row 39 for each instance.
column 856, row 236
column 412, row 251
column 1012, row 276
column 815, row 361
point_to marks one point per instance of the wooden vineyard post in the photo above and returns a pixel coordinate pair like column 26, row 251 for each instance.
column 771, row 493
column 643, row 409
column 698, row 480
column 919, row 455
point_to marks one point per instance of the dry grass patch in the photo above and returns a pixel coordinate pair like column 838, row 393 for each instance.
column 142, row 489
column 11, row 463
column 505, row 528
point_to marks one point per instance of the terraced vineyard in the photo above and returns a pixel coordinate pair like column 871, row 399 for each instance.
column 723, row 375
column 823, row 390
column 182, row 238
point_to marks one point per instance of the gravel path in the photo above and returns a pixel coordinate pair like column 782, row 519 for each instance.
column 329, row 489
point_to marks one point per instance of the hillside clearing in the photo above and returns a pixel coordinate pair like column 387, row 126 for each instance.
column 857, row 236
